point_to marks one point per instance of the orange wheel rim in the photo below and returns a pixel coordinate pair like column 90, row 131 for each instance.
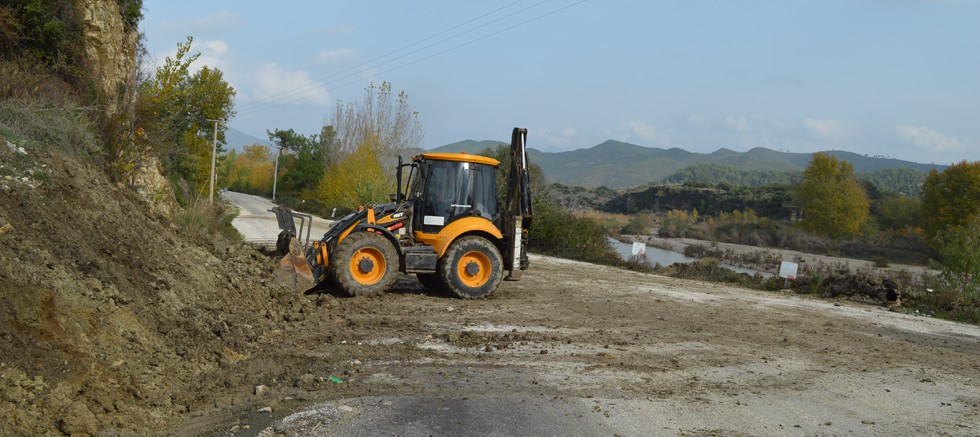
column 367, row 266
column 474, row 269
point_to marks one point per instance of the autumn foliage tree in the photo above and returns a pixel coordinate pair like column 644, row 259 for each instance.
column 176, row 111
column 380, row 118
column 249, row 171
column 951, row 198
column 356, row 179
column 835, row 204
column 362, row 145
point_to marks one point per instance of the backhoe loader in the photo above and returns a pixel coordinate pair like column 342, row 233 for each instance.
column 446, row 227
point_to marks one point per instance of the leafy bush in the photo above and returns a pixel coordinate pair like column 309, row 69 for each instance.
column 639, row 224
column 960, row 265
column 880, row 261
column 558, row 232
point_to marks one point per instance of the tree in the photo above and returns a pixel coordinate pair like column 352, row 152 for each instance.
column 356, row 179
column 302, row 168
column 382, row 119
column 178, row 110
column 951, row 199
column 900, row 212
column 834, row 202
column 250, row 171
column 960, row 266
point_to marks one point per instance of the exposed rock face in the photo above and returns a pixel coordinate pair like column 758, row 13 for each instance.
column 110, row 48
column 153, row 188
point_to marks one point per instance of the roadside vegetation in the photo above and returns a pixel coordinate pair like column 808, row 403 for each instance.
column 829, row 211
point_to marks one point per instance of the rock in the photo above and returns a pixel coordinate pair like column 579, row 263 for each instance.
column 78, row 420
column 261, row 390
column 345, row 408
column 265, row 410
column 305, row 381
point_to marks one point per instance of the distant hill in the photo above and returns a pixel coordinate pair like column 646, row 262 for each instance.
column 616, row 164
column 468, row 146
column 236, row 140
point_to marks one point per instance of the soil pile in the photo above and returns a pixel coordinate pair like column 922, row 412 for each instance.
column 111, row 321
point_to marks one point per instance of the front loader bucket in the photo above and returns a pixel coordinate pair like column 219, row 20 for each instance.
column 293, row 270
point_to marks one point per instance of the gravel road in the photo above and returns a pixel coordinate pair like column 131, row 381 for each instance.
column 581, row 349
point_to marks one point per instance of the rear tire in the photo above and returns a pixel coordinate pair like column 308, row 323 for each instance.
column 471, row 268
column 364, row 264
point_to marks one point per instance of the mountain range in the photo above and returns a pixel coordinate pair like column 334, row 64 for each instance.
column 615, row 164
column 237, row 140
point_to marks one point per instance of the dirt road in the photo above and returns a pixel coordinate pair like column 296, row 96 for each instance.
column 582, row 349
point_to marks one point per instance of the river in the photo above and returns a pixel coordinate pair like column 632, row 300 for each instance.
column 656, row 255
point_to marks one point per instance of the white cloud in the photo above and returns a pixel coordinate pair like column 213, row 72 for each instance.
column 215, row 23
column 699, row 120
column 826, row 128
column 740, row 124
column 928, row 140
column 213, row 54
column 641, row 129
column 340, row 29
column 272, row 82
column 565, row 136
column 331, row 56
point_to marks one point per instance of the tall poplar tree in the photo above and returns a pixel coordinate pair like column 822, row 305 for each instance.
column 834, row 202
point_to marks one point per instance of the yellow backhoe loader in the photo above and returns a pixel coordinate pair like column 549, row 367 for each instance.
column 446, row 227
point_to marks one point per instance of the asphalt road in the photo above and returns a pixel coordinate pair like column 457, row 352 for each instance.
column 257, row 224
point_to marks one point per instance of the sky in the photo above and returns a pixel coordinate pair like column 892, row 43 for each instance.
column 893, row 78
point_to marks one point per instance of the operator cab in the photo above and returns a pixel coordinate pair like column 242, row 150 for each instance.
column 451, row 186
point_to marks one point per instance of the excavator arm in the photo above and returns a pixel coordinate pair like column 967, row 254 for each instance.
column 518, row 211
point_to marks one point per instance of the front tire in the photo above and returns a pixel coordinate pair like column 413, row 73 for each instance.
column 471, row 268
column 364, row 264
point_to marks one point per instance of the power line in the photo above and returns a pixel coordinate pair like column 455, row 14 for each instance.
column 267, row 105
column 469, row 42
column 313, row 84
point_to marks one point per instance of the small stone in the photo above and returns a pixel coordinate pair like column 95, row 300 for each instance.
column 345, row 408
column 306, row 380
column 78, row 419
column 261, row 390
column 265, row 410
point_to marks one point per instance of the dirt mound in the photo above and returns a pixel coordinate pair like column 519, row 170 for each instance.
column 110, row 320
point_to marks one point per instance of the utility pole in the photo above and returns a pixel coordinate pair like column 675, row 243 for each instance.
column 214, row 152
column 275, row 172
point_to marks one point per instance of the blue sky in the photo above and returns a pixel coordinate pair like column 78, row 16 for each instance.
column 898, row 78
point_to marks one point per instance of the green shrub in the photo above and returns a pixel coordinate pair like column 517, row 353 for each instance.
column 556, row 231
column 639, row 224
column 960, row 265
column 880, row 261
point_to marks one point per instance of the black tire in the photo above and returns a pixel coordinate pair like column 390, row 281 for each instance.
column 364, row 264
column 471, row 268
column 432, row 281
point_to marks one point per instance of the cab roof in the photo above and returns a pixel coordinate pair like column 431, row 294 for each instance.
column 461, row 157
